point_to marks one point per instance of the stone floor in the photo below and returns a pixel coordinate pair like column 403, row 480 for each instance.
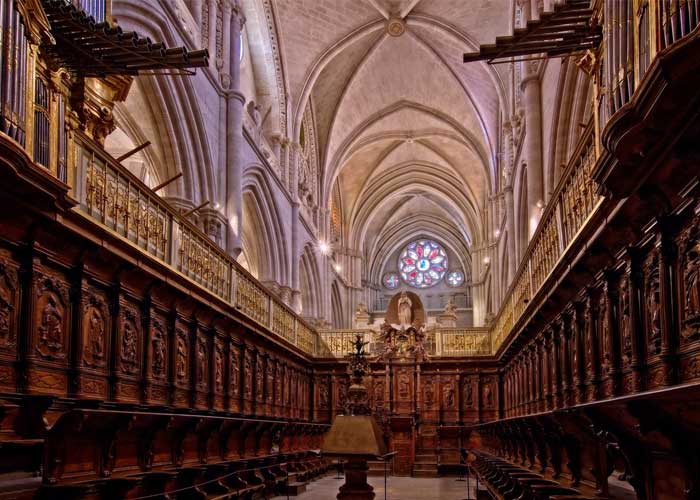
column 398, row 488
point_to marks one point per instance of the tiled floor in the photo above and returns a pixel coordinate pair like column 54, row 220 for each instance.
column 399, row 488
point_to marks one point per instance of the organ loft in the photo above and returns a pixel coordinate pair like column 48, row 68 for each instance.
column 411, row 249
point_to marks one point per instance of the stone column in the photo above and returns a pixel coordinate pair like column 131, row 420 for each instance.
column 211, row 45
column 532, row 97
column 510, row 209
column 196, row 10
column 234, row 128
column 294, row 254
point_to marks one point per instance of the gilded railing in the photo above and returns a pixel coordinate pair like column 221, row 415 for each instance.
column 251, row 297
column 572, row 204
column 283, row 323
column 111, row 195
column 463, row 342
column 338, row 343
column 438, row 342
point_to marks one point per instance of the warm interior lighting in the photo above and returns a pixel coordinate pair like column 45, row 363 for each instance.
column 338, row 268
column 487, row 260
column 324, row 247
column 497, row 233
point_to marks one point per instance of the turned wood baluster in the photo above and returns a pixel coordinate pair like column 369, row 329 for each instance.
column 578, row 361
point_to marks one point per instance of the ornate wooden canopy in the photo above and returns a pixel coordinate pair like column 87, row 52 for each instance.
column 568, row 28
column 101, row 49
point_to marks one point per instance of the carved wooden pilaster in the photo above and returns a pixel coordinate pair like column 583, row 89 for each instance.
column 578, row 358
column 592, row 342
column 566, row 359
column 557, row 377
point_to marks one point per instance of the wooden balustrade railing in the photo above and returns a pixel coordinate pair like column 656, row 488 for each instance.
column 110, row 195
column 571, row 205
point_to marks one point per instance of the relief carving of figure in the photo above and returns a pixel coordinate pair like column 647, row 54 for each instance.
column 248, row 375
column 94, row 348
column 625, row 323
column 488, row 396
column 404, row 387
column 218, row 368
column 449, row 396
column 429, row 393
column 201, row 363
column 129, row 338
column 404, row 310
column 259, row 381
column 691, row 277
column 50, row 331
column 468, row 393
column 653, row 298
column 8, row 281
column 159, row 349
column 323, row 396
column 234, row 372
column 270, row 379
column 181, row 357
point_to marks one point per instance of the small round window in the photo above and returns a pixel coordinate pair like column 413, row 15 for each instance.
column 391, row 281
column 455, row 278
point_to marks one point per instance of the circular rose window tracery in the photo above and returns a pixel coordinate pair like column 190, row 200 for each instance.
column 391, row 281
column 423, row 263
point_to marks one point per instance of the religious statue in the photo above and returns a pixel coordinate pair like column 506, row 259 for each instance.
column 181, row 361
column 96, row 332
column 403, row 386
column 158, row 354
column 50, row 328
column 450, row 307
column 404, row 310
column 361, row 309
column 201, row 363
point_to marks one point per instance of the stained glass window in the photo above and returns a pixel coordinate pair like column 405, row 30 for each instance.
column 455, row 278
column 391, row 280
column 423, row 263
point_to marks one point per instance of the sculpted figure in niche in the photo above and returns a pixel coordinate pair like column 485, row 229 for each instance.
column 449, row 396
column 50, row 330
column 625, row 323
column 96, row 335
column 234, row 372
column 5, row 312
column 218, row 368
column 488, row 397
column 201, row 362
column 248, row 375
column 181, row 361
column 404, row 310
column 691, row 274
column 403, row 386
column 450, row 307
column 129, row 344
column 323, row 395
column 429, row 393
column 654, row 312
column 468, row 394
column 158, row 354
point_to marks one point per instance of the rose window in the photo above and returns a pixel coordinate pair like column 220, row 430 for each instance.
column 423, row 263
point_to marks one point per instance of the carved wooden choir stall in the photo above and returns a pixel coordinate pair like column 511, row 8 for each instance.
column 138, row 358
